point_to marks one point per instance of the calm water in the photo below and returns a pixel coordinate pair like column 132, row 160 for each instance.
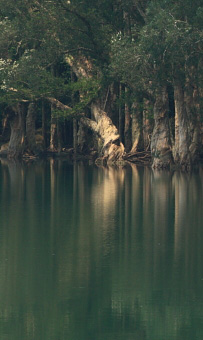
column 100, row 254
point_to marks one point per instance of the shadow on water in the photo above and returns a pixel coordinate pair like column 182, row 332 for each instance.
column 100, row 253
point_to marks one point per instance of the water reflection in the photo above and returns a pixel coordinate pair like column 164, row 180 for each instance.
column 101, row 254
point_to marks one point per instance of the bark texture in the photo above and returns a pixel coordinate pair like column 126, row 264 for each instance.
column 53, row 134
column 44, row 125
column 30, row 128
column 137, row 129
column 112, row 149
column 192, row 97
column 181, row 148
column 147, row 124
column 127, row 130
column 160, row 142
column 55, row 129
column 17, row 139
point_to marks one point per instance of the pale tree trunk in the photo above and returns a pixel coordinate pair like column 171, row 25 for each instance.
column 30, row 128
column 100, row 124
column 181, row 148
column 17, row 138
column 112, row 149
column 160, row 142
column 137, row 129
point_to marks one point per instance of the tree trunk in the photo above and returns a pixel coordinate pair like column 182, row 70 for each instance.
column 5, row 135
column 59, row 136
column 127, row 131
column 181, row 148
column 137, row 129
column 75, row 135
column 160, row 142
column 44, row 125
column 121, row 113
column 53, row 131
column 193, row 116
column 147, row 124
column 17, row 138
column 30, row 128
column 112, row 149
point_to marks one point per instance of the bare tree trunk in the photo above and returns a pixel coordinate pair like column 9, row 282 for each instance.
column 137, row 129
column 44, row 125
column 181, row 148
column 5, row 129
column 121, row 113
column 17, row 138
column 147, row 124
column 193, row 115
column 160, row 142
column 103, row 127
column 100, row 124
column 30, row 128
column 75, row 135
column 53, row 131
column 83, row 140
column 59, row 136
column 127, row 131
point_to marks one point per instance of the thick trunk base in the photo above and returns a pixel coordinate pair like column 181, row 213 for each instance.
column 16, row 145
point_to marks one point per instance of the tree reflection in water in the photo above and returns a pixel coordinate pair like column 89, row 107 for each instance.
column 100, row 253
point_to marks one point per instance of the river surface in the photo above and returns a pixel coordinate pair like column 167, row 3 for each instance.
column 90, row 253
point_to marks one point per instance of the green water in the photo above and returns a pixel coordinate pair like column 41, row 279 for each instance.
column 100, row 254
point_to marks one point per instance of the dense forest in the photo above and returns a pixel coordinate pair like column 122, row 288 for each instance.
column 113, row 80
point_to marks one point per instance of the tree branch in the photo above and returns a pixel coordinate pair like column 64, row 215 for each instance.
column 58, row 104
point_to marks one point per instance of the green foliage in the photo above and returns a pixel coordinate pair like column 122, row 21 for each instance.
column 167, row 47
column 143, row 44
column 89, row 89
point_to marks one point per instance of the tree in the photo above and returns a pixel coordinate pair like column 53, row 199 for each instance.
column 143, row 56
column 166, row 53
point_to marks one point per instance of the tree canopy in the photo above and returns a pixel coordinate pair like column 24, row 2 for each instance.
column 142, row 45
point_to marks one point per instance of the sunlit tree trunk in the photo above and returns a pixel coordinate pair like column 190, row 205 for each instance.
column 112, row 149
column 100, row 124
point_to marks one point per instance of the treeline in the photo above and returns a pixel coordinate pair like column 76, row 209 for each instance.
column 116, row 79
